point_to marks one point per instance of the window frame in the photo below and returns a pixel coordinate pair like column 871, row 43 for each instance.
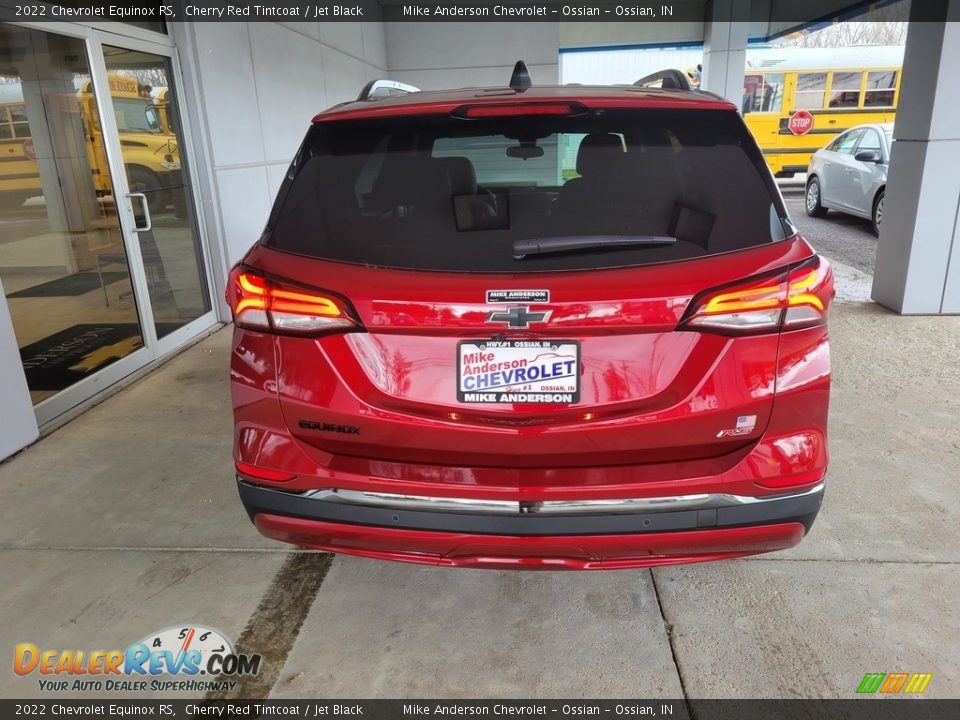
column 891, row 90
column 831, row 92
column 6, row 123
column 416, row 142
column 779, row 94
column 858, row 131
column 880, row 145
column 824, row 91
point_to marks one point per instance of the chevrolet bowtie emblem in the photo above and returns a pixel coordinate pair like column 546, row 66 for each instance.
column 518, row 317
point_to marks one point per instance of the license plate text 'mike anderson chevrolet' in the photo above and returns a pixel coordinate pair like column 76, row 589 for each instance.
column 518, row 371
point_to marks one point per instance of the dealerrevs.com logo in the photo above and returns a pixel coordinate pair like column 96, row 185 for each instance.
column 190, row 658
column 894, row 683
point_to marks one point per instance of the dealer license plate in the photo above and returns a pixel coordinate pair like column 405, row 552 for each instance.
column 518, row 371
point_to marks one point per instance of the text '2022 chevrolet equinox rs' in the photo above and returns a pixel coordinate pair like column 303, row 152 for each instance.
column 531, row 327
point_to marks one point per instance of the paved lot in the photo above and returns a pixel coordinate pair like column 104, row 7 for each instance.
column 845, row 238
column 126, row 521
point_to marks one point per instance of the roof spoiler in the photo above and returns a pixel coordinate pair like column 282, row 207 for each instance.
column 377, row 89
column 667, row 79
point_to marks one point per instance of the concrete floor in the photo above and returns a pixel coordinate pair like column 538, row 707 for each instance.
column 126, row 521
column 840, row 236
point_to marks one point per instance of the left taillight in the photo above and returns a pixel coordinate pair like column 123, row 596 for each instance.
column 262, row 303
column 795, row 298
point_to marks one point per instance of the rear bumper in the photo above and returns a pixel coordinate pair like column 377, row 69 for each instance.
column 629, row 533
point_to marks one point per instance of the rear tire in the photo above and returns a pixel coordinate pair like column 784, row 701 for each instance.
column 146, row 181
column 812, row 199
column 14, row 199
column 877, row 215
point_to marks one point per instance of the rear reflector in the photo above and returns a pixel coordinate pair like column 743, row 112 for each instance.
column 255, row 472
column 261, row 303
column 791, row 481
column 789, row 300
column 515, row 109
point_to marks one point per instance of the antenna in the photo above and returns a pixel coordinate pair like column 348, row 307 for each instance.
column 520, row 80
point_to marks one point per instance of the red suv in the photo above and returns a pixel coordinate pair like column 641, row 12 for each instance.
column 549, row 327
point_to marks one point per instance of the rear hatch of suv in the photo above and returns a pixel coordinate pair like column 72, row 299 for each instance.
column 533, row 285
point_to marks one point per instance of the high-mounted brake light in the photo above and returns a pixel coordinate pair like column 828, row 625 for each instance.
column 517, row 109
column 261, row 303
column 789, row 300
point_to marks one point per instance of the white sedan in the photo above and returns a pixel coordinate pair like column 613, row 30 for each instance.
column 850, row 174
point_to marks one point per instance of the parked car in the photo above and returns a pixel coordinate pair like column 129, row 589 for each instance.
column 850, row 174
column 531, row 327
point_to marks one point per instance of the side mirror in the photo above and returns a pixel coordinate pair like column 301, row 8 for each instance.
column 870, row 156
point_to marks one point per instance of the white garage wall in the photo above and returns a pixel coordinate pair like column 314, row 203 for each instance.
column 251, row 90
column 18, row 424
column 593, row 34
column 439, row 55
column 625, row 65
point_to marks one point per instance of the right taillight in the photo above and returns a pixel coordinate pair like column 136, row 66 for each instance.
column 795, row 298
column 262, row 303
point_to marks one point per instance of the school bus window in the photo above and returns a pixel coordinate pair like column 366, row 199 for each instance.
column 763, row 93
column 21, row 124
column 6, row 131
column 811, row 90
column 845, row 90
column 880, row 88
column 135, row 115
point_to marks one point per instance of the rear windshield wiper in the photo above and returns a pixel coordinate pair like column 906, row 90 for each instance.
column 574, row 243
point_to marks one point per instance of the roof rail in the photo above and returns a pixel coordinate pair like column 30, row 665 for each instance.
column 667, row 79
column 376, row 89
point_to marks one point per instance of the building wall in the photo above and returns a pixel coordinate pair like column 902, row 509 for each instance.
column 438, row 55
column 18, row 425
column 624, row 65
column 251, row 90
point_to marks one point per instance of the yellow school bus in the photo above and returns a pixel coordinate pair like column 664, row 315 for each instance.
column 839, row 87
column 150, row 153
column 19, row 178
column 162, row 102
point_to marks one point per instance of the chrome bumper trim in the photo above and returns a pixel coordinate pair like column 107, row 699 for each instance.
column 668, row 503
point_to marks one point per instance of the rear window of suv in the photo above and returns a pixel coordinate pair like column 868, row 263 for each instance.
column 454, row 194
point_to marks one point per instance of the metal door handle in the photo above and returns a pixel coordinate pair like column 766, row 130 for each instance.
column 146, row 213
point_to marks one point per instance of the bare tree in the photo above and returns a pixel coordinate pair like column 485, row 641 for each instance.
column 154, row 77
column 882, row 26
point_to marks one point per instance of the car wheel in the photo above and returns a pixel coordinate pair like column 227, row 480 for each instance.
column 878, row 212
column 145, row 181
column 812, row 202
column 14, row 200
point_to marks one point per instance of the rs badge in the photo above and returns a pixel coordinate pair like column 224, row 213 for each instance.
column 745, row 426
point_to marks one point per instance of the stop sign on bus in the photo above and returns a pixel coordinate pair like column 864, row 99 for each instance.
column 800, row 123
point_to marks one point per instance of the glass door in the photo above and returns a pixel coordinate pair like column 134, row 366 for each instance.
column 143, row 98
column 101, row 260
column 64, row 263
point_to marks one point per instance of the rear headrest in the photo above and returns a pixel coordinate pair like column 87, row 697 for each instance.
column 411, row 181
column 598, row 153
column 463, row 176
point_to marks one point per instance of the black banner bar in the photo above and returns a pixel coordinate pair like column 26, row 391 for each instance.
column 441, row 11
column 868, row 708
